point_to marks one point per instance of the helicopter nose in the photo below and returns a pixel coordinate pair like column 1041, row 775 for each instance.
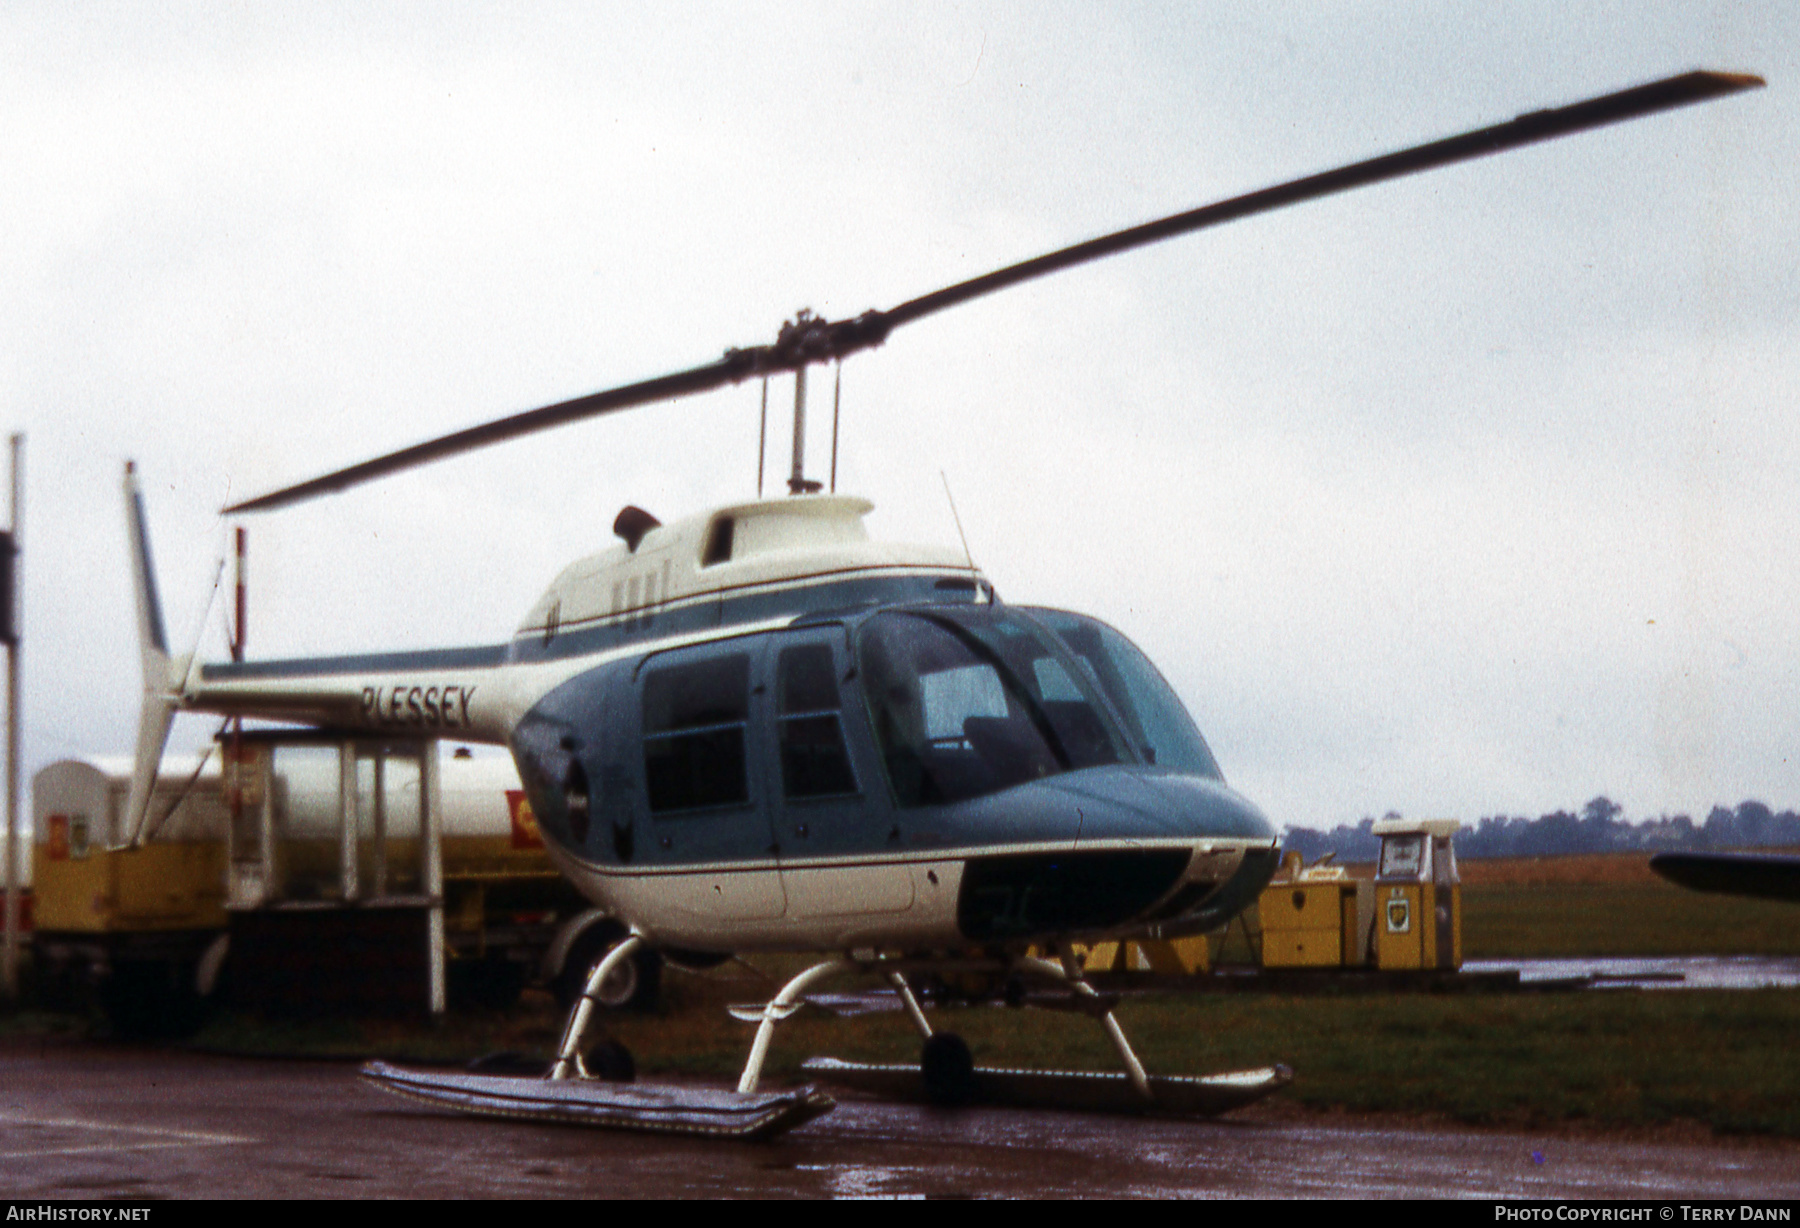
column 1151, row 848
column 1217, row 807
column 1130, row 803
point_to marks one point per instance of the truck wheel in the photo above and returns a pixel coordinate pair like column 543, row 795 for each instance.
column 635, row 986
column 153, row 999
column 491, row 984
column 612, row 1061
column 947, row 1069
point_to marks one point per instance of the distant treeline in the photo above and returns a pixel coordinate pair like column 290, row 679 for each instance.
column 1599, row 828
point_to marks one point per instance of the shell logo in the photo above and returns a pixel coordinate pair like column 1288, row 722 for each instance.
column 525, row 834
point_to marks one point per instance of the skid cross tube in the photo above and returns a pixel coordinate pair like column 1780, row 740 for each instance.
column 568, row 1056
column 909, row 1002
column 1069, row 973
column 779, row 1008
column 1066, row 972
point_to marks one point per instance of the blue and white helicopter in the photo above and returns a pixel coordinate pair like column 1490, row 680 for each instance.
column 756, row 729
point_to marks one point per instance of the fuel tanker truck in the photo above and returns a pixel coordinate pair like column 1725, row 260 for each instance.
column 286, row 872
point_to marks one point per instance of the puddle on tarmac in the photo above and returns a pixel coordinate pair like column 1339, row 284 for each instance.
column 1666, row 972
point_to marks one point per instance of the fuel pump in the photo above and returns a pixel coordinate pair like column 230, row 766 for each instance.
column 1418, row 896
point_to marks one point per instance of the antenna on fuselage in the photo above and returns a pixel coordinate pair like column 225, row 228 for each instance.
column 967, row 555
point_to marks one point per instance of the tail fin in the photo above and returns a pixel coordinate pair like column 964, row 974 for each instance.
column 157, row 710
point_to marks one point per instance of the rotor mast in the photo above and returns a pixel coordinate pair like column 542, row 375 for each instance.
column 798, row 482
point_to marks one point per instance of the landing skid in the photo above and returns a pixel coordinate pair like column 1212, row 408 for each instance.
column 1080, row 1091
column 619, row 1106
column 570, row 1094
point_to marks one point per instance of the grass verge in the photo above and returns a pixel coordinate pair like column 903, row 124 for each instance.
column 1619, row 919
column 1622, row 1060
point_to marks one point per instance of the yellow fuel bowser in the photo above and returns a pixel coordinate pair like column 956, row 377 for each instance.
column 1314, row 917
column 1164, row 957
column 1418, row 896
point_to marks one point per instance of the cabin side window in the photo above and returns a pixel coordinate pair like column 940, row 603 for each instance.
column 694, row 719
column 814, row 761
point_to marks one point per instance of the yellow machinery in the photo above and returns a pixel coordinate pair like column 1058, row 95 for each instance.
column 1408, row 919
column 142, row 930
column 1316, row 917
column 176, row 883
column 1164, row 957
column 1418, row 896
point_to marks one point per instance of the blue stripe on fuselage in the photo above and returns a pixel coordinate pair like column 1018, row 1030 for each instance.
column 363, row 663
column 684, row 616
column 687, row 615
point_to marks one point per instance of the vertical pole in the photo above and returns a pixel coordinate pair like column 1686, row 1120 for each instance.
column 431, row 832
column 348, row 823
column 379, row 834
column 837, row 397
column 797, row 480
column 9, row 973
column 242, row 603
column 234, row 779
column 762, row 436
column 269, row 867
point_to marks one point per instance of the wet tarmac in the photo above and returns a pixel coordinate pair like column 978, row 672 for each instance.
column 88, row 1121
column 1668, row 972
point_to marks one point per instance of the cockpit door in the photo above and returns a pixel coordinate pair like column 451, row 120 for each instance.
column 832, row 817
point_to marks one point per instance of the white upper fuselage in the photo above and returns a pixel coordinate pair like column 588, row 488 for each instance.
column 772, row 543
column 775, row 555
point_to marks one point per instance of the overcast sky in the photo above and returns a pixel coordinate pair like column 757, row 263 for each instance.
column 1469, row 494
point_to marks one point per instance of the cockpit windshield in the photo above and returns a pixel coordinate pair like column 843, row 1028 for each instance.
column 969, row 702
column 1158, row 725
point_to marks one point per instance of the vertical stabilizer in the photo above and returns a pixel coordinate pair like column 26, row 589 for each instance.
column 157, row 710
column 152, row 637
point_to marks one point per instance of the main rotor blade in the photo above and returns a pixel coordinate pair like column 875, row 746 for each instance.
column 1525, row 130
column 699, row 379
column 808, row 339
